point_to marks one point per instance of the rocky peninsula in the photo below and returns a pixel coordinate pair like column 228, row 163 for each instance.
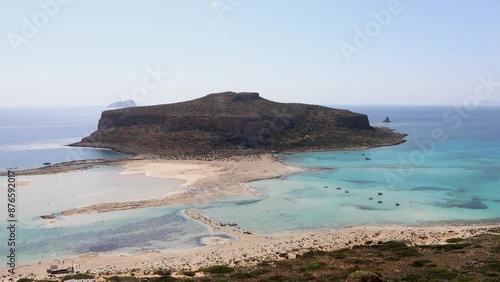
column 234, row 124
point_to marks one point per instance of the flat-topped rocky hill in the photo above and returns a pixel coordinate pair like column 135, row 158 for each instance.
column 232, row 123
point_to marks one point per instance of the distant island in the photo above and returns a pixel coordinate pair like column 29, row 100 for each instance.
column 123, row 104
column 229, row 123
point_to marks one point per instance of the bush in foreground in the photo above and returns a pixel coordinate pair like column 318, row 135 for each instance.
column 217, row 269
column 364, row 276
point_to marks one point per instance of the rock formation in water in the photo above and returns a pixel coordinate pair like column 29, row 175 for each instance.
column 123, row 104
column 232, row 123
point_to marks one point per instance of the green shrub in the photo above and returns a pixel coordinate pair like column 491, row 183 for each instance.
column 250, row 274
column 399, row 249
column 121, row 279
column 162, row 272
column 364, row 276
column 277, row 278
column 454, row 240
column 311, row 254
column 431, row 275
column 448, row 247
column 189, row 273
column 217, row 269
column 260, row 271
column 496, row 250
column 315, row 265
column 417, row 263
column 78, row 276
column 438, row 273
column 420, row 263
column 165, row 278
column 340, row 254
column 283, row 263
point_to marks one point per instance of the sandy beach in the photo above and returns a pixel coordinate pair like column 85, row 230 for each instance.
column 250, row 249
column 205, row 181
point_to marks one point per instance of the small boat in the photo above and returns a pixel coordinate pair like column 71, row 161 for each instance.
column 397, row 204
column 380, row 202
column 325, row 186
column 46, row 163
column 232, row 224
column 379, row 193
column 346, row 191
column 370, row 198
column 367, row 159
column 338, row 188
column 387, row 119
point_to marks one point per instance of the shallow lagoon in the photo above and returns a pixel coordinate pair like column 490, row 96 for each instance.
column 454, row 180
column 114, row 232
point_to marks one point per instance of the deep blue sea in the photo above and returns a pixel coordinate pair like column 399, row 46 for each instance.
column 447, row 171
column 30, row 137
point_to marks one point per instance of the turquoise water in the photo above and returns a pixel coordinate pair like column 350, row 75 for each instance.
column 457, row 179
column 124, row 232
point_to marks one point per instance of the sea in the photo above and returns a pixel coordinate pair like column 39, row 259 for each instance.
column 447, row 171
column 32, row 136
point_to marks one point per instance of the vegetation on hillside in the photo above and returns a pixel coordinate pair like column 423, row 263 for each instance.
column 459, row 260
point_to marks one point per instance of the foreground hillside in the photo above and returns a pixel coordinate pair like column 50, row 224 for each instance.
column 234, row 124
column 471, row 259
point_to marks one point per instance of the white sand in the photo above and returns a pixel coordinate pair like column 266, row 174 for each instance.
column 250, row 249
column 206, row 181
column 188, row 172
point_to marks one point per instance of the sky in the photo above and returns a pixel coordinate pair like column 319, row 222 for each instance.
column 390, row 52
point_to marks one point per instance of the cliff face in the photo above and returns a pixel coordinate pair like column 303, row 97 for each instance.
column 233, row 123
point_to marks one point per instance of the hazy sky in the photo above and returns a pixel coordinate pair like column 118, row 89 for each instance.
column 94, row 52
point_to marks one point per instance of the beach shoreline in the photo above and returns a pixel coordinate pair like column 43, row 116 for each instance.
column 204, row 181
column 245, row 248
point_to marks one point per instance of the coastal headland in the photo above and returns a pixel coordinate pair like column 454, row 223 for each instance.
column 228, row 124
